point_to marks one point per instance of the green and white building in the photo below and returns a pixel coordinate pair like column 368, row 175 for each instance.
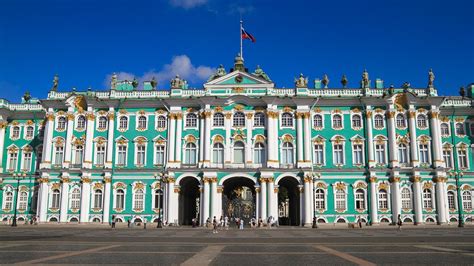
column 239, row 147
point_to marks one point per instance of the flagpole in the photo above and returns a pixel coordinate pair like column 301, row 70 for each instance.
column 240, row 35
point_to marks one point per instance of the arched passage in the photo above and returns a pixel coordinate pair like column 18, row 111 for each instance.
column 238, row 199
column 188, row 200
column 288, row 201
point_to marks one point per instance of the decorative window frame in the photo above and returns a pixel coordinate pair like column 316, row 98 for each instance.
column 359, row 114
column 189, row 113
column 452, row 188
column 117, row 186
column 190, row 138
column 405, row 120
column 100, row 142
column 381, row 139
column 322, row 120
column 384, row 122
column 321, row 185
column 29, row 123
column 428, row 185
column 287, row 138
column 214, row 117
column 339, row 113
column 140, row 140
column 123, row 114
column 253, row 120
column 15, row 124
column 422, row 112
column 56, row 122
column 256, row 140
column 121, row 140
column 138, row 115
column 293, row 119
column 217, row 139
column 461, row 146
column 22, row 189
column 159, row 140
column 449, row 129
column 463, row 125
column 52, row 187
column 71, row 190
column 406, row 141
column 469, row 189
column 157, row 118
column 363, row 186
column 412, row 201
column 76, row 123
column 136, row 186
column 447, row 147
column 154, row 187
column 78, row 142
column 319, row 140
column 97, row 186
column 424, row 140
column 58, row 142
column 384, row 185
column 358, row 140
column 8, row 189
column 340, row 186
column 24, row 150
column 336, row 140
column 98, row 122
column 12, row 149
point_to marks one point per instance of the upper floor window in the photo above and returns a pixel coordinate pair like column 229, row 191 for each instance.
column 401, row 121
column 378, row 121
column 27, row 156
column 161, row 122
column 259, row 119
column 239, row 152
column 460, row 129
column 123, row 122
column 239, row 119
column 337, row 121
column 403, row 153
column 141, row 122
column 287, row 120
column 15, row 132
column 190, row 153
column 338, row 155
column 427, row 199
column 218, row 153
column 462, row 158
column 191, row 120
column 81, row 122
column 159, row 154
column 380, row 153
column 122, row 154
column 78, row 154
column 424, row 153
column 29, row 132
column 140, row 154
column 102, row 125
column 444, row 129
column 358, row 154
column 61, row 123
column 356, row 121
column 360, row 199
column 318, row 121
column 218, row 120
column 287, row 153
column 447, row 157
column 406, row 198
column 319, row 154
column 58, row 155
column 383, row 199
column 422, row 121
column 259, row 153
column 12, row 159
column 100, row 155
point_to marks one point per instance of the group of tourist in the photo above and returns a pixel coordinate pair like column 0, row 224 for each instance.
column 225, row 222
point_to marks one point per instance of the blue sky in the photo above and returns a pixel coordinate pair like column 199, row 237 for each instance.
column 84, row 41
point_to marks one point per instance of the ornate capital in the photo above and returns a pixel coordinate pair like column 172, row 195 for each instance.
column 411, row 114
column 434, row 114
column 179, row 116
column 395, row 179
column 416, row 178
column 43, row 180
column 373, row 179
column 390, row 114
column 70, row 116
column 50, row 116
column 65, row 180
column 90, row 116
column 107, row 179
column 263, row 180
column 368, row 113
column 111, row 115
column 85, row 180
column 228, row 115
column 249, row 115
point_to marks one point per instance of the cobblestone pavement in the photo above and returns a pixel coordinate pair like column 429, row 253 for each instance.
column 83, row 244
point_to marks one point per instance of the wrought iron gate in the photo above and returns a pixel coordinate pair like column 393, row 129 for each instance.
column 240, row 203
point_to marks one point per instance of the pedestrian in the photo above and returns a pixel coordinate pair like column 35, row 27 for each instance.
column 113, row 221
column 158, row 223
column 144, row 224
column 260, row 222
column 221, row 221
column 214, row 225
column 193, row 222
column 208, row 222
column 399, row 222
column 241, row 224
column 226, row 223
column 360, row 222
column 128, row 223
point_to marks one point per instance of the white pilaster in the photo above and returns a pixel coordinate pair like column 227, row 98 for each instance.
column 417, row 200
column 107, row 192
column 413, row 142
column 307, row 202
column 202, row 220
column 373, row 200
column 302, row 196
column 201, row 142
column 272, row 199
column 179, row 139
column 263, row 198
column 172, row 201
column 48, row 141
column 69, row 135
column 392, row 139
column 43, row 197
column 3, row 125
column 171, row 139
column 440, row 202
column 396, row 198
column 299, row 139
column 257, row 202
column 370, row 138
column 110, row 139
column 272, row 137
column 436, row 138
column 227, row 124
column 207, row 138
column 214, row 199
column 308, row 147
column 248, row 146
column 88, row 150
column 206, row 199
column 64, row 198
column 85, row 199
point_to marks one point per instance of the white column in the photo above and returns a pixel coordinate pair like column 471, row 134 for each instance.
column 248, row 146
column 307, row 202
column 396, row 198
column 272, row 199
column 201, row 141
column 172, row 201
column 69, row 135
column 179, row 138
column 3, row 125
column 110, row 139
column 307, row 138
column 43, row 198
column 89, row 140
column 206, row 201
column 440, row 202
column 417, row 200
column 201, row 205
column 370, row 138
column 263, row 198
column 47, row 144
column 299, row 139
column 85, row 199
column 413, row 143
column 214, row 200
column 107, row 191
column 392, row 139
column 64, row 198
column 207, row 139
column 171, row 138
column 373, row 200
column 227, row 124
column 272, row 139
column 436, row 138
column 257, row 202
column 302, row 214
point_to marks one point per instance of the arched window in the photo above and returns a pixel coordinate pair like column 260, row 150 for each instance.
column 287, row 153
column 406, row 199
column 55, row 201
column 102, row 125
column 29, row 132
column 337, row 121
column 15, row 132
column 378, row 121
column 460, row 129
column 139, row 199
column 8, row 205
column 467, row 200
column 340, row 199
column 444, row 129
column 356, row 121
column 191, row 120
column 161, row 122
column 239, row 152
column 23, row 200
column 75, row 199
column 401, row 121
column 259, row 153
column 427, row 199
column 158, row 199
column 119, row 199
column 259, row 119
column 123, row 123
column 360, row 199
column 61, row 123
column 98, row 199
column 190, row 153
column 81, row 122
column 319, row 199
column 239, row 119
column 287, row 120
column 317, row 121
column 160, row 154
column 403, row 153
column 218, row 120
column 142, row 122
column 218, row 153
column 451, row 200
column 421, row 121
column 383, row 199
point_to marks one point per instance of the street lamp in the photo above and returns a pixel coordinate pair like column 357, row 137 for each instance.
column 457, row 175
column 314, row 176
column 18, row 177
column 160, row 177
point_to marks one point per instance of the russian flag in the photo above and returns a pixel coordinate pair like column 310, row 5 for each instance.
column 246, row 35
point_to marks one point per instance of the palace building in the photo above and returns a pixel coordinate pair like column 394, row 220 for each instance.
column 239, row 147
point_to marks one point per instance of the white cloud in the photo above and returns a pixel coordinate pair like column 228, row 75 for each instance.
column 180, row 65
column 187, row 4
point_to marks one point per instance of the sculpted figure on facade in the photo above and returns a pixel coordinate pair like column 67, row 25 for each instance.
column 55, row 83
column 365, row 83
column 260, row 73
column 113, row 81
column 219, row 73
column 325, row 80
column 178, row 83
column 431, row 78
column 301, row 82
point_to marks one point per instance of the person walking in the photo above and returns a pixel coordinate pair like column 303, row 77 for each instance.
column 399, row 222
column 226, row 223
column 158, row 223
column 241, row 224
column 360, row 222
column 214, row 225
column 128, row 223
column 113, row 221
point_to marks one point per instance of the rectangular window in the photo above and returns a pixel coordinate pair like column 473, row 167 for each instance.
column 357, row 155
column 13, row 161
column 160, row 155
column 424, row 153
column 100, row 155
column 27, row 161
column 338, row 154
column 462, row 158
column 380, row 153
column 448, row 162
column 122, row 155
column 59, row 155
column 319, row 154
column 140, row 155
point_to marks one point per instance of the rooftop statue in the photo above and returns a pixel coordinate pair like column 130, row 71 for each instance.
column 55, row 83
column 365, row 83
column 153, row 83
column 178, row 83
column 325, row 80
column 301, row 82
column 219, row 73
column 113, row 81
column 27, row 97
column 431, row 78
column 135, row 83
column 260, row 73
column 344, row 81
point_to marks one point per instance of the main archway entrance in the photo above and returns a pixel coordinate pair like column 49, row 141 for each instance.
column 288, row 202
column 238, row 199
column 188, row 200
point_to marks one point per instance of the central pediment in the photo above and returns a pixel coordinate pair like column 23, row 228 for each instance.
column 238, row 79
